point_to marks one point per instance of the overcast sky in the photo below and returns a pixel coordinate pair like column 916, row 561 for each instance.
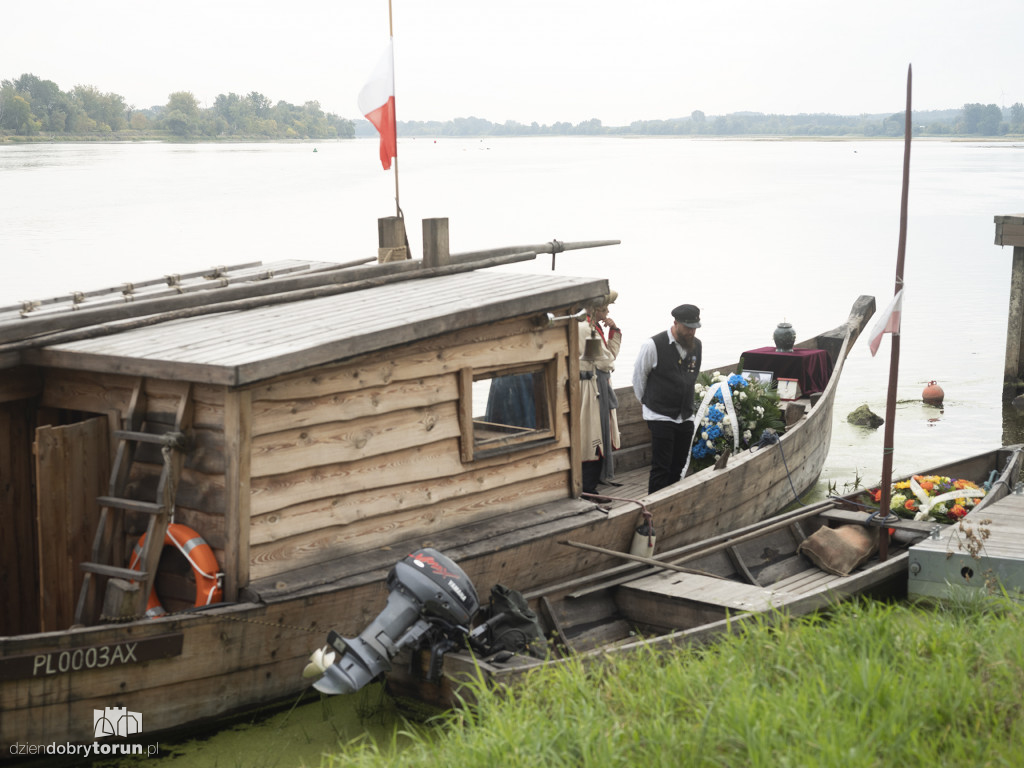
column 533, row 60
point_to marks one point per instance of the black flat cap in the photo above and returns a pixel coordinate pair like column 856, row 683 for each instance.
column 687, row 314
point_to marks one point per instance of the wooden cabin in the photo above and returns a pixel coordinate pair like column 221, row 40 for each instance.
column 308, row 429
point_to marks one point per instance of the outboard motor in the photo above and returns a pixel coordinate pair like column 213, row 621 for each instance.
column 428, row 593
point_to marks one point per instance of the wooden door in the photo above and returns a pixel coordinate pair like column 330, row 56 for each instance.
column 72, row 469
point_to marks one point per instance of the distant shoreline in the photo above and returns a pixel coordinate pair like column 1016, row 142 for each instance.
column 159, row 137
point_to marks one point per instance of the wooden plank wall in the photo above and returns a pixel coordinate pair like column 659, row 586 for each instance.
column 367, row 454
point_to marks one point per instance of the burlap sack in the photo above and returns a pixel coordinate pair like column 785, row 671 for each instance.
column 839, row 550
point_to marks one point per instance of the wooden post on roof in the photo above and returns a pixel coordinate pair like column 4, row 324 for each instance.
column 1010, row 231
column 391, row 240
column 435, row 243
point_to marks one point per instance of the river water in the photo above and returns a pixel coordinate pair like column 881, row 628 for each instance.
column 754, row 232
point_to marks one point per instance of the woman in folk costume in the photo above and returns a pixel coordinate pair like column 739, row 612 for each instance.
column 599, row 421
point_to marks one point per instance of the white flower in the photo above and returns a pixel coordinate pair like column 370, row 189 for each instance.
column 710, row 444
column 742, row 396
column 726, row 419
column 746, row 435
column 703, row 435
column 759, row 409
column 751, row 424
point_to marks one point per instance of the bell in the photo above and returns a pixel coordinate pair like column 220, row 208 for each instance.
column 592, row 349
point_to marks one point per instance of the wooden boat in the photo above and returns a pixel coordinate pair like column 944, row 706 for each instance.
column 696, row 593
column 307, row 421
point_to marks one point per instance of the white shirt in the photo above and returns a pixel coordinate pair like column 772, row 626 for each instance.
column 646, row 359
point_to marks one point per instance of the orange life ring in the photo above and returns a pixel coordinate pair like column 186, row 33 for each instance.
column 200, row 557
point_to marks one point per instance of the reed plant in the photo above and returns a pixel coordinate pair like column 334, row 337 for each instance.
column 869, row 684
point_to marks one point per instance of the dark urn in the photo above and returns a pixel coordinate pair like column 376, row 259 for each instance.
column 784, row 337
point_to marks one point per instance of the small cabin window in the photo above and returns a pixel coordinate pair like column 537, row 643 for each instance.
column 506, row 409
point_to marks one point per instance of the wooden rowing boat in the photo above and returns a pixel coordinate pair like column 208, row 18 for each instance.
column 306, row 432
column 694, row 594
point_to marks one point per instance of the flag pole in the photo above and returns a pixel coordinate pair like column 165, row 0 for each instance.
column 894, row 358
column 391, row 34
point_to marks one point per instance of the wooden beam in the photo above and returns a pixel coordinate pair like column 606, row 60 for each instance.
column 435, row 243
column 465, row 414
column 238, row 447
column 394, row 245
column 575, row 408
column 1010, row 230
column 1013, row 368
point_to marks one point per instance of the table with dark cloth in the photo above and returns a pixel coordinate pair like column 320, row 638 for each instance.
column 810, row 367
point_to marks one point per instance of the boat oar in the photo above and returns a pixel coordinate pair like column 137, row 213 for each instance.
column 322, row 281
column 692, row 551
column 85, row 324
column 639, row 559
column 554, row 247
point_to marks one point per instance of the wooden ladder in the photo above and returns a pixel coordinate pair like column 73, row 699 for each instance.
column 128, row 589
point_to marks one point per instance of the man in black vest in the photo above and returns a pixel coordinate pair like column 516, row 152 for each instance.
column 664, row 376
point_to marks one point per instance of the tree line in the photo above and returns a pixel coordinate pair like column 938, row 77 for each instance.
column 31, row 106
column 971, row 120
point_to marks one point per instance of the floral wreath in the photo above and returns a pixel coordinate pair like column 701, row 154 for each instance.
column 729, row 421
column 932, row 497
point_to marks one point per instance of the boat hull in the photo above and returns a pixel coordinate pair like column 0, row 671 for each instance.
column 709, row 599
column 192, row 667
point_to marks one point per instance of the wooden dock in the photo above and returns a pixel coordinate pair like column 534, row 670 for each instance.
column 982, row 553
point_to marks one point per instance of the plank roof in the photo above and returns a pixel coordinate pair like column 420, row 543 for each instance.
column 241, row 347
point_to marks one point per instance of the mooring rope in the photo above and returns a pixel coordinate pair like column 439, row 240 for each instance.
column 769, row 438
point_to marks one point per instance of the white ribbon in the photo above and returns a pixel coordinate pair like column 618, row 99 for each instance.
column 730, row 410
column 927, row 502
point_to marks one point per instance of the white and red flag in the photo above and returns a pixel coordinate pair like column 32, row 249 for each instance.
column 888, row 322
column 377, row 102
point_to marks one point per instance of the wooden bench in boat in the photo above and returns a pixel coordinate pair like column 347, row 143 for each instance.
column 723, row 593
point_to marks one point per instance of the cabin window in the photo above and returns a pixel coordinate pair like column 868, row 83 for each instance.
column 506, row 409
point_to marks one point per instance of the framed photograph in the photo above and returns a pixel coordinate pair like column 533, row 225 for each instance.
column 765, row 377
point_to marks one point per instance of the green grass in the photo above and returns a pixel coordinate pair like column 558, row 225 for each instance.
column 873, row 684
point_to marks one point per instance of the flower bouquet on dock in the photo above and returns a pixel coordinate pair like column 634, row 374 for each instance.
column 750, row 409
column 933, row 497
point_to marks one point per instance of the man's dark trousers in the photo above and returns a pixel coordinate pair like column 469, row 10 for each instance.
column 669, row 444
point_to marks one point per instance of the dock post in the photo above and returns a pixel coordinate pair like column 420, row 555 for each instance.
column 391, row 239
column 1010, row 231
column 435, row 243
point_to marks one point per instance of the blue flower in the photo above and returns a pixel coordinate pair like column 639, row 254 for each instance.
column 714, row 432
column 700, row 450
column 715, row 414
column 736, row 380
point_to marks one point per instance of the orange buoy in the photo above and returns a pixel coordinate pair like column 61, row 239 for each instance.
column 199, row 555
column 933, row 394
